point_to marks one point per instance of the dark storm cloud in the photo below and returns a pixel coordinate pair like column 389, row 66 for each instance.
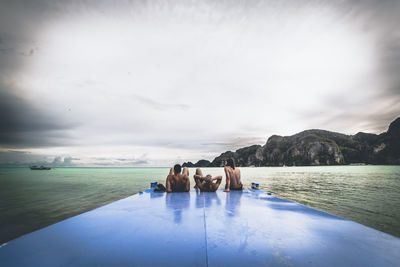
column 25, row 125
column 22, row 123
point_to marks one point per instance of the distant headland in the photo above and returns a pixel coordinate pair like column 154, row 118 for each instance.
column 317, row 147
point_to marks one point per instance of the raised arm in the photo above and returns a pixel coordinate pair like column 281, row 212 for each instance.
column 228, row 179
column 168, row 185
column 197, row 176
column 219, row 177
column 197, row 180
column 217, row 183
column 187, row 187
column 240, row 178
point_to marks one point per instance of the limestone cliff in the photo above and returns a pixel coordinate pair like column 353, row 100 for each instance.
column 200, row 163
column 319, row 147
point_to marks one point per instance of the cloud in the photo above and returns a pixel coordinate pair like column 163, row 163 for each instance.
column 20, row 158
column 159, row 105
column 23, row 124
column 67, row 161
column 234, row 143
column 120, row 162
column 191, row 78
column 26, row 158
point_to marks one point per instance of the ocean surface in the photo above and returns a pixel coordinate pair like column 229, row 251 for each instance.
column 30, row 200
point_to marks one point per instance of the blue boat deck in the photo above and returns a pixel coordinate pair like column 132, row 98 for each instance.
column 248, row 228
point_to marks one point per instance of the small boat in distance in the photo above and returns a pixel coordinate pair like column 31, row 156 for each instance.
column 39, row 168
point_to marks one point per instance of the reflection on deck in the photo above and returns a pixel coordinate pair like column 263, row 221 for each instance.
column 238, row 228
column 177, row 203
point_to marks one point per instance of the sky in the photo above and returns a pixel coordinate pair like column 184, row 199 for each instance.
column 153, row 83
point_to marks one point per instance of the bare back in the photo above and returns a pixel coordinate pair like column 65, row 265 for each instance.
column 233, row 181
column 178, row 182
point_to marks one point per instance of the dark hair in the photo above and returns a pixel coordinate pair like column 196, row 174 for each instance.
column 231, row 163
column 177, row 168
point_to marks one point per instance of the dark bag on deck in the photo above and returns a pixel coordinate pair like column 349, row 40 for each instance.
column 160, row 188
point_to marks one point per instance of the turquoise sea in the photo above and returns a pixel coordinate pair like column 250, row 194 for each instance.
column 30, row 200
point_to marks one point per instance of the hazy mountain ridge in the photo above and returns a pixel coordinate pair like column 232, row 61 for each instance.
column 317, row 147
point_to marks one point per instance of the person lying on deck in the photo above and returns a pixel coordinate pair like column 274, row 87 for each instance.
column 177, row 181
column 206, row 183
column 232, row 176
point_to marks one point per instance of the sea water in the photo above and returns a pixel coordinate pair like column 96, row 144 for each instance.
column 30, row 200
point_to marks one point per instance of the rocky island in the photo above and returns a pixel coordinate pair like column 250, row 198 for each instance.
column 317, row 147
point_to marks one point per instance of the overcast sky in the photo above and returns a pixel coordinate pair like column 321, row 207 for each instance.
column 151, row 83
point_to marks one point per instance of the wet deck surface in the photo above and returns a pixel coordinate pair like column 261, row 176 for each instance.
column 247, row 228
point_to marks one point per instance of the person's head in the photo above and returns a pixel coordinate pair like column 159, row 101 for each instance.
column 208, row 178
column 231, row 163
column 177, row 168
